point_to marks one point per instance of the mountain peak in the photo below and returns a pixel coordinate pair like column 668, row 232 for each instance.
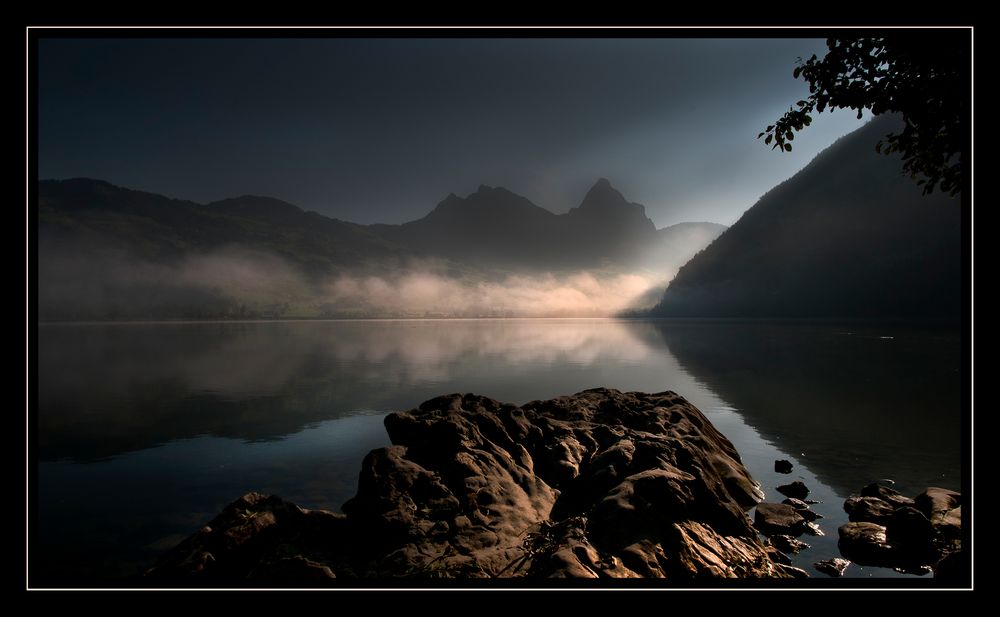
column 488, row 203
column 603, row 196
column 606, row 212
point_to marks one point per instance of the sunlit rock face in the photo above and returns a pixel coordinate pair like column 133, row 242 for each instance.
column 598, row 484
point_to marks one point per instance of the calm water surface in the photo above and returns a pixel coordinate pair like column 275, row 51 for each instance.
column 145, row 431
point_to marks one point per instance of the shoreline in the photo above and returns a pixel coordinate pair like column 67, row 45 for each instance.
column 602, row 484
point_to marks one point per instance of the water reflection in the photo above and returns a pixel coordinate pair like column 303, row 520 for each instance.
column 855, row 403
column 285, row 407
column 109, row 389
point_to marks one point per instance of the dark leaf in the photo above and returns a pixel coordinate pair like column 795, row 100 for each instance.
column 788, row 147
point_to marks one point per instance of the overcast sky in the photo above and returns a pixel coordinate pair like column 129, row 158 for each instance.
column 381, row 130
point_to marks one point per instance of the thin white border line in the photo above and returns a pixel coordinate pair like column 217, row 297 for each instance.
column 27, row 303
column 503, row 27
column 27, row 387
column 972, row 298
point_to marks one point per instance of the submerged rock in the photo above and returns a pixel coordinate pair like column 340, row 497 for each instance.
column 783, row 466
column 599, row 484
column 796, row 489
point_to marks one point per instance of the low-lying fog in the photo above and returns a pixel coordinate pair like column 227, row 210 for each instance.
column 236, row 283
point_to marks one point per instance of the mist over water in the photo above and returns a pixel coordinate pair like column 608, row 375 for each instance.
column 581, row 294
column 240, row 283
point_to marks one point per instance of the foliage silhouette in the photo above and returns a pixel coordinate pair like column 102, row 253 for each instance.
column 924, row 77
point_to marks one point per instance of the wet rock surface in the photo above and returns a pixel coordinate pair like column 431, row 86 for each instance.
column 910, row 535
column 602, row 484
column 778, row 518
column 797, row 490
column 783, row 466
column 832, row 567
column 802, row 508
column 788, row 544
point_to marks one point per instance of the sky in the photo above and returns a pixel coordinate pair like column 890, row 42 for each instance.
column 381, row 130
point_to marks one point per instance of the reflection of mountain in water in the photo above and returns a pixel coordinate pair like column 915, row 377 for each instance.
column 860, row 404
column 109, row 389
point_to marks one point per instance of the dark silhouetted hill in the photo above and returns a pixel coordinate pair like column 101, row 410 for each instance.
column 106, row 252
column 847, row 237
column 491, row 228
column 96, row 215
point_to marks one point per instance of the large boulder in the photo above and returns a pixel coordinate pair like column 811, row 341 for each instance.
column 599, row 484
column 892, row 496
column 868, row 509
column 943, row 508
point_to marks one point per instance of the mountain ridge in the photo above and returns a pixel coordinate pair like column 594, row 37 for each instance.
column 848, row 236
column 92, row 230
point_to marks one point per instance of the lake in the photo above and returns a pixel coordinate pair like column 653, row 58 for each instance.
column 146, row 430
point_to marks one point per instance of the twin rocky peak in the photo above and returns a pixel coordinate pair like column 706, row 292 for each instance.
column 494, row 225
column 492, row 229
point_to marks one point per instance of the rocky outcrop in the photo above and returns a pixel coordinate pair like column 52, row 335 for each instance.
column 601, row 484
column 911, row 535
